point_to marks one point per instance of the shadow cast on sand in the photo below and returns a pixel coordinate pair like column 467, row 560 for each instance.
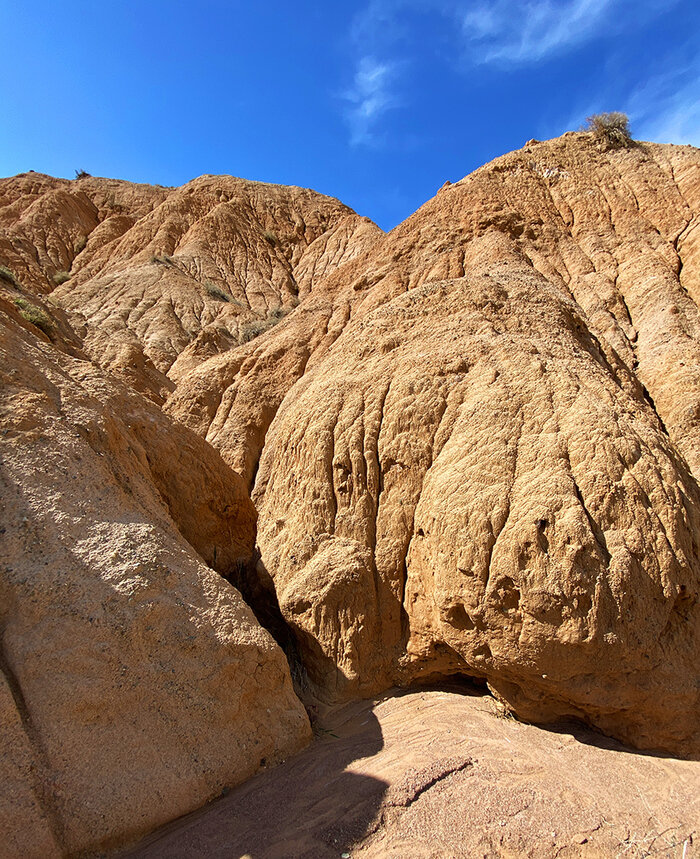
column 308, row 806
column 590, row 736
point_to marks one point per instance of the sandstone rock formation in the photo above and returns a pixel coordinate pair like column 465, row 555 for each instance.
column 155, row 272
column 473, row 447
column 500, row 468
column 136, row 683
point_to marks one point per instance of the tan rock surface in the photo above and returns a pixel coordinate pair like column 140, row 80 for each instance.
column 232, row 398
column 497, row 474
column 136, row 682
column 27, row 828
column 436, row 774
column 154, row 272
column 488, row 494
column 474, row 446
column 218, row 257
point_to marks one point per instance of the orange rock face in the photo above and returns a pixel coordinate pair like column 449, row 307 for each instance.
column 136, row 683
column 493, row 470
column 473, row 448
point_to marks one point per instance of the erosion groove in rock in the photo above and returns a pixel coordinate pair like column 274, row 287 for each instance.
column 500, row 468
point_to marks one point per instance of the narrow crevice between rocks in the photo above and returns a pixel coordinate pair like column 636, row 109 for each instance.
column 650, row 402
column 257, row 589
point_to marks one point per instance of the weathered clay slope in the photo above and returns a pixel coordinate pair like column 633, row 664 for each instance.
column 50, row 225
column 135, row 681
column 464, row 486
column 618, row 231
column 232, row 398
column 496, row 474
column 155, row 272
column 474, row 446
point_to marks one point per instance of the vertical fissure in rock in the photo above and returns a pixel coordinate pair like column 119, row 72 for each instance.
column 647, row 396
column 257, row 589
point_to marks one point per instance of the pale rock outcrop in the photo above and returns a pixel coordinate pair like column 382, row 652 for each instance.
column 136, row 683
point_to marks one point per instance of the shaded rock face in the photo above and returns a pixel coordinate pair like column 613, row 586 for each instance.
column 135, row 683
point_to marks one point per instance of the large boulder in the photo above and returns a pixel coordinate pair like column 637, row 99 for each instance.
column 470, row 483
column 136, row 683
column 493, row 469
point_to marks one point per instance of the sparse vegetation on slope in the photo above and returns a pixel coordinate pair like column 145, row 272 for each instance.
column 61, row 277
column 34, row 314
column 254, row 329
column 216, row 292
column 8, row 276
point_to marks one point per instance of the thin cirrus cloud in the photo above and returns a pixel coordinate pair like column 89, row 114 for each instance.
column 504, row 34
column 503, row 30
column 369, row 97
column 518, row 32
column 508, row 32
column 667, row 108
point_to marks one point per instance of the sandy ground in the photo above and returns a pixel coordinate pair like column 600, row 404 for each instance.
column 439, row 773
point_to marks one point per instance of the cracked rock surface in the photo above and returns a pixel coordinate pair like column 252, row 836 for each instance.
column 468, row 447
column 493, row 469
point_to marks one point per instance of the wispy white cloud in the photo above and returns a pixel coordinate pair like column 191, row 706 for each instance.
column 664, row 108
column 507, row 34
column 523, row 32
column 369, row 97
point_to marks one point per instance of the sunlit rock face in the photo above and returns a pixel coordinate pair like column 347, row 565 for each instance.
column 493, row 469
column 471, row 444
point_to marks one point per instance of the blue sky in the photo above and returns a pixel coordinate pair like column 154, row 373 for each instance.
column 376, row 103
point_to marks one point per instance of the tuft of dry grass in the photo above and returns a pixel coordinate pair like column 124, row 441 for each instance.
column 35, row 315
column 254, row 329
column 8, row 276
column 611, row 129
column 216, row 292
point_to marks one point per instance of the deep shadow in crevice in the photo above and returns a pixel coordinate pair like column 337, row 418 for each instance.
column 257, row 589
column 650, row 402
column 457, row 683
column 587, row 735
